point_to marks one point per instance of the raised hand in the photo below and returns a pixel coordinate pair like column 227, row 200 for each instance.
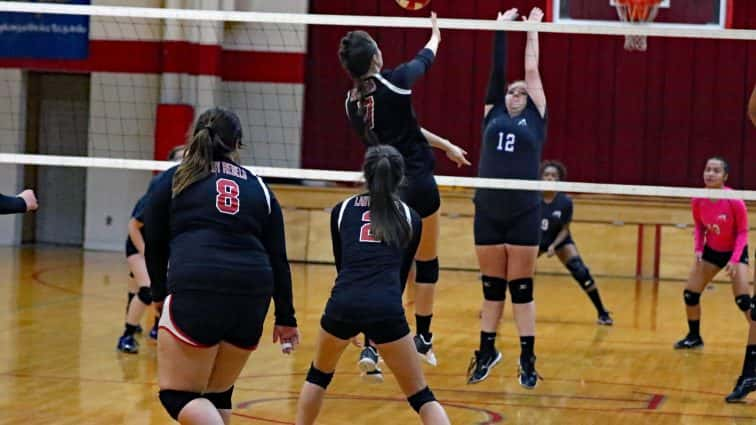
column 435, row 31
column 509, row 15
column 536, row 15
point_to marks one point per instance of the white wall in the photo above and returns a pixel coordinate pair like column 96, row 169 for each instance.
column 12, row 134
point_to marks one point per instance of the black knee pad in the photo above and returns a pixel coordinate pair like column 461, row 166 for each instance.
column 743, row 302
column 521, row 290
column 145, row 295
column 421, row 397
column 691, row 298
column 221, row 400
column 318, row 377
column 494, row 288
column 174, row 400
column 580, row 272
column 426, row 271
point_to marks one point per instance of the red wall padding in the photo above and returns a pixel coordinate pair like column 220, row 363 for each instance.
column 171, row 126
column 614, row 116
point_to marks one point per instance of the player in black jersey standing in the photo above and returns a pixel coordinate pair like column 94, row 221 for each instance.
column 221, row 229
column 375, row 237
column 556, row 215
column 139, row 297
column 506, row 223
column 379, row 108
column 21, row 203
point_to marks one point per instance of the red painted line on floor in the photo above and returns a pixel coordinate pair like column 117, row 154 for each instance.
column 655, row 401
column 257, row 418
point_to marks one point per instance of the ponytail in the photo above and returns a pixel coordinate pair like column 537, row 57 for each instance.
column 356, row 52
column 363, row 88
column 196, row 163
column 384, row 169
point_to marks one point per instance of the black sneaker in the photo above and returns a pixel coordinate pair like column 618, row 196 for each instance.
column 527, row 375
column 368, row 364
column 128, row 344
column 605, row 319
column 481, row 365
column 689, row 342
column 425, row 349
column 154, row 332
column 742, row 388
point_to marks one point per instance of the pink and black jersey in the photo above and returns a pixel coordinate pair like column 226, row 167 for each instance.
column 720, row 224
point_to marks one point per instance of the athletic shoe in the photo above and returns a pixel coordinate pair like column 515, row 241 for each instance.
column 139, row 329
column 128, row 344
column 742, row 388
column 425, row 349
column 605, row 319
column 154, row 332
column 481, row 365
column 527, row 375
column 689, row 342
column 368, row 364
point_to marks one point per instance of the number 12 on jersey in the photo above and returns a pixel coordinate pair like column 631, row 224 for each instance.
column 508, row 145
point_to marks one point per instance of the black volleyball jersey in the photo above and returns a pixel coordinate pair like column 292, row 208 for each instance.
column 554, row 216
column 371, row 274
column 511, row 149
column 390, row 115
column 12, row 205
column 222, row 234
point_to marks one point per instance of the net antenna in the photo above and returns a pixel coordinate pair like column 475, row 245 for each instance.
column 637, row 12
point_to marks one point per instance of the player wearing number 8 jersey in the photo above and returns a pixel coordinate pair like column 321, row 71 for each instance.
column 221, row 229
column 506, row 223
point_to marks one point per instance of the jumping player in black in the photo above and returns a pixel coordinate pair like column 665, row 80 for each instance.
column 21, row 203
column 506, row 223
column 379, row 108
column 139, row 297
column 556, row 215
column 375, row 237
column 221, row 229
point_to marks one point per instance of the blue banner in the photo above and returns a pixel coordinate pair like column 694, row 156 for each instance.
column 44, row 36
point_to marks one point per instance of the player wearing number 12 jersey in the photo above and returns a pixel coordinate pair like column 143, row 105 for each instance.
column 506, row 223
column 221, row 230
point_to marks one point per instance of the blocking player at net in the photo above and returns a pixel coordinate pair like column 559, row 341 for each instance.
column 556, row 238
column 222, row 231
column 379, row 108
column 507, row 222
column 375, row 237
column 721, row 242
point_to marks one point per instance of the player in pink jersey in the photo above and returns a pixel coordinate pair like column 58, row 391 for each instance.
column 721, row 238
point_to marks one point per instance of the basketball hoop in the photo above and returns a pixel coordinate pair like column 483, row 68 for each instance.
column 637, row 12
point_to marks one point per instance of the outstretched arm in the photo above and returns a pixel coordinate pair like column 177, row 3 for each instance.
column 532, row 75
column 496, row 91
column 752, row 106
column 453, row 152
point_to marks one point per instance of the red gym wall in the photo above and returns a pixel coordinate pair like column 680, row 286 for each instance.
column 614, row 116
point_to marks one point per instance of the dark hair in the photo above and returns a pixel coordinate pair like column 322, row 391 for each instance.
column 356, row 51
column 173, row 154
column 217, row 134
column 384, row 171
column 725, row 164
column 561, row 169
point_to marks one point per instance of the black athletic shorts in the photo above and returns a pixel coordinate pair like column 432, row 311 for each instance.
column 720, row 259
column 380, row 332
column 421, row 194
column 204, row 319
column 523, row 229
column 545, row 245
column 130, row 248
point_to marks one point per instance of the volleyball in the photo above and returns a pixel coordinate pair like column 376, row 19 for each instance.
column 412, row 4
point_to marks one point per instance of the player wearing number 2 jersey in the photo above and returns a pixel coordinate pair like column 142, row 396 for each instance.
column 506, row 223
column 375, row 236
column 221, row 229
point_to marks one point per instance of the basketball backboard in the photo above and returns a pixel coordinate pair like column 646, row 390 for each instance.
column 673, row 13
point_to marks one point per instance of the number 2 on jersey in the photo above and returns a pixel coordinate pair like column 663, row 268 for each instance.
column 507, row 146
column 227, row 200
column 366, row 233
